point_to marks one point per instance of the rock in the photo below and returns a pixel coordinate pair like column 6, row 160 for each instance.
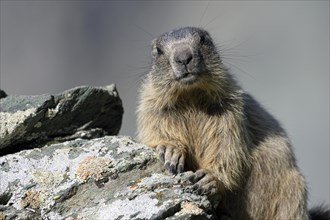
column 84, row 112
column 104, row 178
column 2, row 94
column 57, row 163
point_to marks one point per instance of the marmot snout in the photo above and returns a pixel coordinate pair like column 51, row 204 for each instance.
column 183, row 53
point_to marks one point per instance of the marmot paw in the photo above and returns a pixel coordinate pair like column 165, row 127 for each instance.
column 204, row 183
column 172, row 157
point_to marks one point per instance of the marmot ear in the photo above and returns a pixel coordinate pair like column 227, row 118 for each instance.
column 196, row 37
column 153, row 43
column 155, row 48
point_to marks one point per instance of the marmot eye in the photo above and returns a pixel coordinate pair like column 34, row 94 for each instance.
column 159, row 51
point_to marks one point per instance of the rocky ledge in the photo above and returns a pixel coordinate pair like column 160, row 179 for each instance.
column 58, row 162
column 104, row 178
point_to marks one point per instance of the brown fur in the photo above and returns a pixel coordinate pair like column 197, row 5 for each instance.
column 223, row 130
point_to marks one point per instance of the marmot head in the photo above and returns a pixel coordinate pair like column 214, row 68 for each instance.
column 184, row 56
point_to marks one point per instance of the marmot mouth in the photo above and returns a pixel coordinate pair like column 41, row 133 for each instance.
column 188, row 77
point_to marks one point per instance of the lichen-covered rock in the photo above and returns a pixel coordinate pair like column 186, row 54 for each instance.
column 83, row 112
column 104, row 178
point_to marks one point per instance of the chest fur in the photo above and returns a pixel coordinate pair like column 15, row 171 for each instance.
column 195, row 129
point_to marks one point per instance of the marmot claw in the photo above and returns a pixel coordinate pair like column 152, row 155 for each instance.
column 172, row 157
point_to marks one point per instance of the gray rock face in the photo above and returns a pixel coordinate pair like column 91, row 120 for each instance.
column 103, row 178
column 57, row 163
column 83, row 112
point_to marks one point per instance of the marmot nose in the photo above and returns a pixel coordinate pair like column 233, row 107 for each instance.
column 183, row 58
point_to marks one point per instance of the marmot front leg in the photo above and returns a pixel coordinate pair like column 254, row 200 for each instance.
column 173, row 158
column 204, row 183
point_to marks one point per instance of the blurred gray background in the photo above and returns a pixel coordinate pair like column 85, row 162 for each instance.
column 278, row 51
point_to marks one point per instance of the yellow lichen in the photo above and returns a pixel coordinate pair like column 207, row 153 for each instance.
column 93, row 167
column 31, row 199
column 47, row 178
column 189, row 208
column 2, row 216
column 159, row 195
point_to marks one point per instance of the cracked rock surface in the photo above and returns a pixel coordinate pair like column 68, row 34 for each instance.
column 58, row 161
column 103, row 178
